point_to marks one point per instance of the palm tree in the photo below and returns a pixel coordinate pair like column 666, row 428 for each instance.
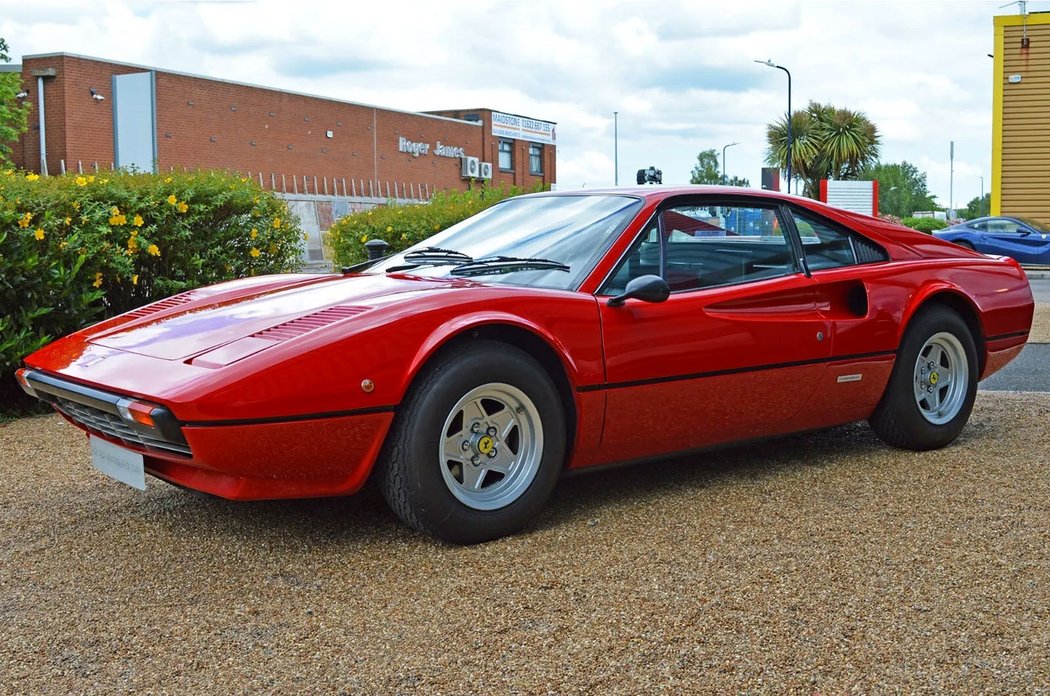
column 827, row 143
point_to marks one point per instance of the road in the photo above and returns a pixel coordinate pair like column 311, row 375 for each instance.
column 1041, row 289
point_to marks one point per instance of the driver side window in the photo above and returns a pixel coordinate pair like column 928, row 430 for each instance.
column 694, row 247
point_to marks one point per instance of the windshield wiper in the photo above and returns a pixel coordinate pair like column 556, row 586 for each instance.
column 506, row 264
column 437, row 254
column 430, row 256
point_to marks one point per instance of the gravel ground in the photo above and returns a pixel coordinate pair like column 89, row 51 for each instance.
column 821, row 563
column 1041, row 325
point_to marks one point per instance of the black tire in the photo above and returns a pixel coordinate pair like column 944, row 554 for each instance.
column 431, row 492
column 901, row 419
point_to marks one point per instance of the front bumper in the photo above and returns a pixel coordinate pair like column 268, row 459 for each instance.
column 302, row 457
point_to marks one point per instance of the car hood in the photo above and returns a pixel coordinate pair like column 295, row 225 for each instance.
column 250, row 319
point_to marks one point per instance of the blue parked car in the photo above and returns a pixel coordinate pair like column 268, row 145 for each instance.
column 1026, row 240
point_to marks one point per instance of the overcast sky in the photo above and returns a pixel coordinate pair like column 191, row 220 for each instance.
column 680, row 74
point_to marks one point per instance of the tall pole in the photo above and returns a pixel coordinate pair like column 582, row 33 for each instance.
column 724, row 161
column 980, row 206
column 771, row 64
column 616, row 148
column 951, row 179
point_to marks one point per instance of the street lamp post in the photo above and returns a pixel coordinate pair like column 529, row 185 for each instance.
column 616, row 148
column 724, row 161
column 771, row 64
column 980, row 206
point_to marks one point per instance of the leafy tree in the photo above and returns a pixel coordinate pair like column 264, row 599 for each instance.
column 14, row 116
column 978, row 207
column 706, row 170
column 902, row 188
column 826, row 143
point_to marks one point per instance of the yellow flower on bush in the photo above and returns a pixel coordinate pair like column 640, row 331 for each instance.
column 182, row 207
column 137, row 222
column 32, row 177
column 153, row 250
column 133, row 244
column 135, row 279
column 389, row 228
column 254, row 233
column 69, row 220
column 172, row 200
column 98, row 280
column 39, row 234
column 254, row 253
column 76, row 205
column 277, row 223
column 134, row 233
column 436, row 227
column 364, row 238
column 24, row 221
column 114, row 210
column 80, row 181
column 167, row 180
column 116, row 219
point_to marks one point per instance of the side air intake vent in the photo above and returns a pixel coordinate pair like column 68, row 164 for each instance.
column 302, row 325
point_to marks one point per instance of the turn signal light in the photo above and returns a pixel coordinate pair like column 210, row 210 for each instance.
column 20, row 375
column 137, row 412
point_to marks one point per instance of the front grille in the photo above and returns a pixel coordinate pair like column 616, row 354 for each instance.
column 113, row 426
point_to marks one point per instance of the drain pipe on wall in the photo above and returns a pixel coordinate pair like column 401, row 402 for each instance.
column 43, row 134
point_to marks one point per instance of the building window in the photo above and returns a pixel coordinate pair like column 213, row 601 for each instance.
column 535, row 159
column 506, row 155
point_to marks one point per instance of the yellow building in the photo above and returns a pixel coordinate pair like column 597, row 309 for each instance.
column 1021, row 117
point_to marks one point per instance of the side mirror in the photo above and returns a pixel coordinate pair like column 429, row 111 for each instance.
column 647, row 288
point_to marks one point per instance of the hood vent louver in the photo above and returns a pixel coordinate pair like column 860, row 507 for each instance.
column 302, row 325
column 160, row 306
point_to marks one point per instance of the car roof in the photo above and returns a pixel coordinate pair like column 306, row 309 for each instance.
column 663, row 192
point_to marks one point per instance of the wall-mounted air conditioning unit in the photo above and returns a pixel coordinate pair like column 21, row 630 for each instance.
column 486, row 170
column 470, row 167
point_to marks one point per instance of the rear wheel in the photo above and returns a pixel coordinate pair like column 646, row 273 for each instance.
column 933, row 385
column 478, row 446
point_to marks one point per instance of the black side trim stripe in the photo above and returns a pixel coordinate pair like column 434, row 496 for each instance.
column 1013, row 334
column 291, row 419
column 736, row 371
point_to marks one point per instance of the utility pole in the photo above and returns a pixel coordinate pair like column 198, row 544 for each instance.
column 951, row 180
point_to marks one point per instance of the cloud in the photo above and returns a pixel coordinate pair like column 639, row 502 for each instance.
column 680, row 74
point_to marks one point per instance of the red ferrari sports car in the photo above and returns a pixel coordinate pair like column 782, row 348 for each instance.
column 551, row 332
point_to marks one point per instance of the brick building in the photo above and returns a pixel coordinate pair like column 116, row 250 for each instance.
column 102, row 113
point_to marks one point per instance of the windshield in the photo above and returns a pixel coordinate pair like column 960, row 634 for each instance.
column 571, row 230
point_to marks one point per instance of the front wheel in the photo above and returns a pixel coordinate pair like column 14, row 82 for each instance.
column 933, row 384
column 478, row 446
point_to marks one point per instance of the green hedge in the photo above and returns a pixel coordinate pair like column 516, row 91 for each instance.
column 924, row 224
column 404, row 225
column 79, row 248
